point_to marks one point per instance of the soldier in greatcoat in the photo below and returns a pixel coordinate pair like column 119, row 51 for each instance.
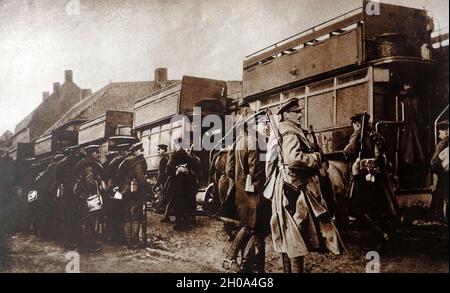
column 115, row 209
column 372, row 198
column 66, row 178
column 90, row 183
column 133, row 187
column 300, row 221
column 439, row 166
column 246, row 166
column 182, row 185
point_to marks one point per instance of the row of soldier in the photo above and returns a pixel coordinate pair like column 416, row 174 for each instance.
column 81, row 200
column 291, row 195
column 78, row 198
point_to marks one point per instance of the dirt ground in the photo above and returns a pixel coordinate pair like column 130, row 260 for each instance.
column 423, row 247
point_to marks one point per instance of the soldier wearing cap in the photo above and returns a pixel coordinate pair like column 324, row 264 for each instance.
column 133, row 187
column 246, row 167
column 182, row 185
column 45, row 207
column 90, row 182
column 116, row 208
column 8, row 201
column 162, row 177
column 66, row 178
column 370, row 190
column 300, row 220
column 439, row 166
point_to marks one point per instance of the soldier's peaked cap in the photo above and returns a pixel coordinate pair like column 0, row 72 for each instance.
column 111, row 153
column 70, row 149
column 358, row 117
column 163, row 146
column 442, row 124
column 123, row 146
column 91, row 148
column 136, row 146
column 290, row 105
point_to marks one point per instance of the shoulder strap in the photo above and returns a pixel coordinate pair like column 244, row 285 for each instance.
column 302, row 139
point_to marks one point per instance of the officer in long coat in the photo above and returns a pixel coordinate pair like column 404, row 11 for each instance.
column 44, row 209
column 300, row 220
column 439, row 166
column 245, row 166
column 9, row 202
column 182, row 185
column 66, row 178
column 158, row 187
column 133, row 187
column 371, row 195
column 90, row 182
column 116, row 206
column 25, row 174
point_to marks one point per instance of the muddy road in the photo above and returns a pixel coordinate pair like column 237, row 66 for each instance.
column 423, row 247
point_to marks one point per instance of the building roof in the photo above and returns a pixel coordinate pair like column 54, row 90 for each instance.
column 23, row 123
column 50, row 110
column 115, row 96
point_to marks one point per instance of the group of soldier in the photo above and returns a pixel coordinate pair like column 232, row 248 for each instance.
column 84, row 201
column 291, row 196
column 288, row 195
column 77, row 198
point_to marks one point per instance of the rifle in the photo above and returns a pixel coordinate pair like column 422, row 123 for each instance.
column 361, row 144
column 144, row 225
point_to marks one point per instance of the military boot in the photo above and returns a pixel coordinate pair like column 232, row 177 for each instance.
column 127, row 232
column 286, row 263
column 260, row 255
column 135, row 228
column 297, row 265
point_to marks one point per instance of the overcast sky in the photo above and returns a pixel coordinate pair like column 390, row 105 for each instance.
column 126, row 40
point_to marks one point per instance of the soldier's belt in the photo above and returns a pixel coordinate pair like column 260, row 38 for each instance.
column 369, row 166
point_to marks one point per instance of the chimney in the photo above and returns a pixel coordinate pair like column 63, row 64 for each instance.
column 56, row 86
column 68, row 76
column 45, row 95
column 86, row 93
column 161, row 75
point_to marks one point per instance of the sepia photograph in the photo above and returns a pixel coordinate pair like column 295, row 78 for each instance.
column 210, row 136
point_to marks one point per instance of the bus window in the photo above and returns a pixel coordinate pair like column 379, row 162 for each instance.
column 320, row 111
column 351, row 100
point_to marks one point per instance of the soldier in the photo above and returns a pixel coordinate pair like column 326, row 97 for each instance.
column 161, row 180
column 439, row 166
column 300, row 220
column 133, row 187
column 44, row 209
column 9, row 203
column 89, row 187
column 182, row 185
column 114, row 216
column 26, row 172
column 370, row 190
column 246, row 167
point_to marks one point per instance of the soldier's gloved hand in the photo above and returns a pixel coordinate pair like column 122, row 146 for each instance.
column 355, row 167
column 318, row 158
column 323, row 169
